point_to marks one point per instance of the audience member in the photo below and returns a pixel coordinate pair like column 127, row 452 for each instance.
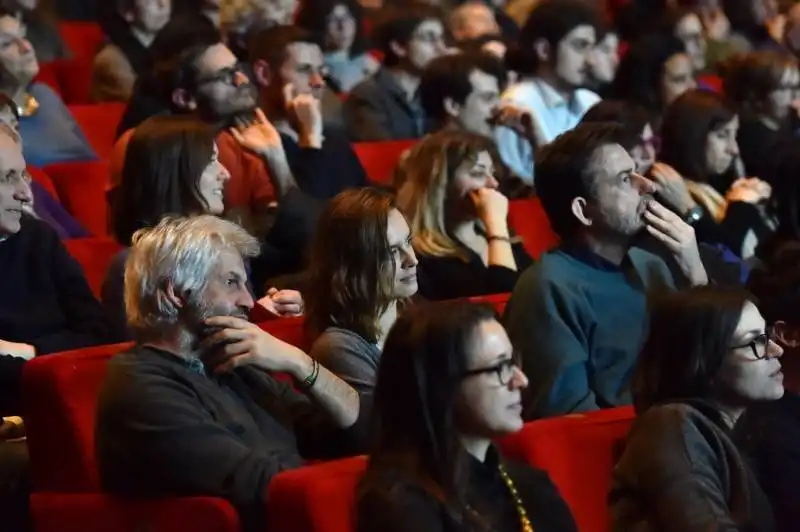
column 680, row 468
column 604, row 60
column 698, row 140
column 764, row 85
column 769, row 432
column 130, row 27
column 40, row 20
column 653, row 73
column 488, row 44
column 386, row 106
column 47, row 306
column 193, row 408
column 206, row 81
column 341, row 25
column 558, row 38
column 172, row 168
column 458, row 218
column 635, row 120
column 239, row 19
column 685, row 25
column 471, row 20
column 42, row 204
column 755, row 24
column 289, row 71
column 51, row 132
column 433, row 465
column 363, row 270
column 578, row 315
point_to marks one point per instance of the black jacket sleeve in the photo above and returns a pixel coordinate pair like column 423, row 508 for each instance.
column 11, row 385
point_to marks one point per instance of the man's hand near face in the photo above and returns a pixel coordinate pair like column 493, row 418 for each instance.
column 305, row 113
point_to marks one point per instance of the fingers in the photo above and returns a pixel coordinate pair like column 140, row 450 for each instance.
column 660, row 211
column 272, row 291
column 236, row 135
column 671, row 243
column 228, row 322
column 260, row 116
column 659, row 223
column 234, row 362
column 288, row 94
column 225, row 336
column 289, row 309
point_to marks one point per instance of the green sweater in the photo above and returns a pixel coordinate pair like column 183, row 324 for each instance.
column 579, row 329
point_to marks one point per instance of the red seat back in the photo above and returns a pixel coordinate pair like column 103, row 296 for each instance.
column 75, row 78
column 59, row 395
column 317, row 498
column 529, row 221
column 579, row 453
column 99, row 123
column 498, row 301
column 94, row 255
column 81, row 185
column 290, row 330
column 83, row 39
column 49, row 75
column 380, row 159
column 38, row 175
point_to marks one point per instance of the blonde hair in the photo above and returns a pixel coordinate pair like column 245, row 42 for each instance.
column 429, row 170
column 182, row 252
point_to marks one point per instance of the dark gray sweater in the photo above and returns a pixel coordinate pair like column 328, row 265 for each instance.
column 349, row 356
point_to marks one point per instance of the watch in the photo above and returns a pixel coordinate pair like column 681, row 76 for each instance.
column 693, row 215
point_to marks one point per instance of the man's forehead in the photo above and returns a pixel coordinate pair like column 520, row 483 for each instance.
column 215, row 58
column 9, row 25
column 483, row 81
column 582, row 32
column 610, row 160
column 304, row 52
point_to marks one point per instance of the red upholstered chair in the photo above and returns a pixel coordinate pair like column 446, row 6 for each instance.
column 39, row 175
column 579, row 452
column 380, row 159
column 83, row 39
column 528, row 219
column 82, row 189
column 60, row 398
column 75, row 77
column 94, row 255
column 290, row 330
column 316, row 498
column 49, row 75
column 99, row 123
column 498, row 301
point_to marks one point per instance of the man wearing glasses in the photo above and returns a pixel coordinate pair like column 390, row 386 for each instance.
column 386, row 106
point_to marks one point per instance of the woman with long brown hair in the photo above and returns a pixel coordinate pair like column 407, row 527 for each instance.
column 459, row 218
column 363, row 268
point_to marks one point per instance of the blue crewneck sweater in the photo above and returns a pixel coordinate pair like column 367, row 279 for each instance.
column 579, row 328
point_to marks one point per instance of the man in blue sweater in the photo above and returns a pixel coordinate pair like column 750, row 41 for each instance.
column 578, row 315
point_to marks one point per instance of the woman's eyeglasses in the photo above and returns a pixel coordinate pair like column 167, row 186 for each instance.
column 760, row 344
column 505, row 369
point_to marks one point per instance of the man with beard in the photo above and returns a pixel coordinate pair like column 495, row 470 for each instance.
column 578, row 315
column 556, row 47
column 194, row 407
column 289, row 69
column 205, row 79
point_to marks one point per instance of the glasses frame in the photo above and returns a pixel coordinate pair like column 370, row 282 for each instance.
column 512, row 363
column 770, row 336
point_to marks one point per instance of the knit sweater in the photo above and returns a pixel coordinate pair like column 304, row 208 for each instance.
column 579, row 328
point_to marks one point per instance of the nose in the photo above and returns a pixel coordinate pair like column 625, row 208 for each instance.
column 24, row 46
column 23, row 192
column 240, row 79
column 774, row 350
column 245, row 300
column 644, row 185
column 224, row 175
column 316, row 81
column 691, row 84
column 733, row 147
column 491, row 182
column 409, row 257
column 519, row 380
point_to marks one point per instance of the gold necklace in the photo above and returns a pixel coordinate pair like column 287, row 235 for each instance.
column 30, row 106
column 523, row 515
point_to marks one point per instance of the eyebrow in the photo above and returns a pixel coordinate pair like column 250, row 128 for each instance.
column 404, row 241
column 625, row 172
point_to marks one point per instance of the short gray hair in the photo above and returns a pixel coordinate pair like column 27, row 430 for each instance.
column 184, row 252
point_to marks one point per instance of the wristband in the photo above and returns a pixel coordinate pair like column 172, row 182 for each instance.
column 489, row 238
column 309, row 381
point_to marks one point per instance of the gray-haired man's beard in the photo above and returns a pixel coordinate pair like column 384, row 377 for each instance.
column 197, row 330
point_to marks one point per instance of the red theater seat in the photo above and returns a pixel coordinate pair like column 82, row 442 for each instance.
column 39, row 175
column 316, row 498
column 83, row 39
column 99, row 123
column 290, row 330
column 49, row 75
column 60, row 398
column 94, row 255
column 579, row 453
column 498, row 301
column 82, row 189
column 528, row 219
column 380, row 159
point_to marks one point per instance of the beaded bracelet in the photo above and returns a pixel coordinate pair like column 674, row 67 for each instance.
column 309, row 381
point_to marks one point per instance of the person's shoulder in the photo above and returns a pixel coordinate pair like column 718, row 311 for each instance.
column 37, row 233
column 336, row 340
column 44, row 93
column 368, row 88
column 391, row 492
column 675, row 418
column 649, row 264
column 554, row 266
column 587, row 98
column 108, row 53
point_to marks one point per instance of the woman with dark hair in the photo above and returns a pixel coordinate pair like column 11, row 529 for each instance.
column 171, row 168
column 680, row 468
column 363, row 270
column 764, row 85
column 448, row 384
column 698, row 140
column 340, row 23
column 653, row 73
column 684, row 24
column 41, row 23
column 458, row 217
column 130, row 27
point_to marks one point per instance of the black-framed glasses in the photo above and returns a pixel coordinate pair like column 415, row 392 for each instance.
column 505, row 369
column 225, row 75
column 760, row 344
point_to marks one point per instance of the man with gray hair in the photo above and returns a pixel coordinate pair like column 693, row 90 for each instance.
column 192, row 408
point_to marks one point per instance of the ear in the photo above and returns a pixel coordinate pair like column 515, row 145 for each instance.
column 542, row 50
column 451, row 107
column 398, row 50
column 579, row 210
column 788, row 336
column 262, row 73
column 181, row 98
column 178, row 300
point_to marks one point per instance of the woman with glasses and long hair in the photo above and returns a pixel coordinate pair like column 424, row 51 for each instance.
column 459, row 218
column 680, row 468
column 363, row 270
column 448, row 385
